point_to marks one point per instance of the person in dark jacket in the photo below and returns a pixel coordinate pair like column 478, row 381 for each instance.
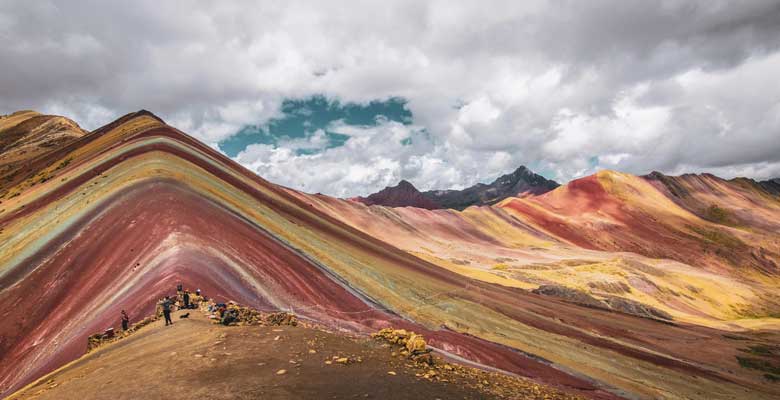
column 186, row 299
column 166, row 309
column 229, row 316
column 125, row 321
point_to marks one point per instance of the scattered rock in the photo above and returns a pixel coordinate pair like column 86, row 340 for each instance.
column 282, row 318
column 412, row 342
column 425, row 358
column 570, row 294
column 636, row 308
column 281, row 372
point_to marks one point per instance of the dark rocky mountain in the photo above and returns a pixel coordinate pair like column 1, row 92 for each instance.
column 521, row 182
column 402, row 195
column 771, row 186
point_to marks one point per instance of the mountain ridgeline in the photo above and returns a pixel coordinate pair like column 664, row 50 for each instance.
column 520, row 183
column 771, row 186
column 404, row 194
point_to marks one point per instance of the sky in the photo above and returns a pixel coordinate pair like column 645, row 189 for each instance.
column 345, row 98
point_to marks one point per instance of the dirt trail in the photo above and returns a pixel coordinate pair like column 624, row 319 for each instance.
column 196, row 359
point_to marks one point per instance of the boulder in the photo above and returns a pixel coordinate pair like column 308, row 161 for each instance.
column 412, row 342
column 416, row 343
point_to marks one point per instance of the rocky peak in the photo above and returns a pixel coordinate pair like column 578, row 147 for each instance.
column 404, row 194
column 520, row 182
column 771, row 185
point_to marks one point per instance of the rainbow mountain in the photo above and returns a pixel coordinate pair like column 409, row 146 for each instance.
column 610, row 286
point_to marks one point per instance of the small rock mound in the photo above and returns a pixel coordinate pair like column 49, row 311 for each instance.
column 234, row 314
column 109, row 335
column 413, row 345
column 281, row 318
column 410, row 340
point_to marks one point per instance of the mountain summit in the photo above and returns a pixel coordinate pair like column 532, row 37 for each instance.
column 520, row 183
column 402, row 195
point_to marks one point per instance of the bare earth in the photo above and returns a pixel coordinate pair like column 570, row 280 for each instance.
column 199, row 360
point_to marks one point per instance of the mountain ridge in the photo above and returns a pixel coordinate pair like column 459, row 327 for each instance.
column 519, row 183
column 404, row 194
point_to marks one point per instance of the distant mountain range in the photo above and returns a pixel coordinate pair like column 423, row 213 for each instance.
column 520, row 183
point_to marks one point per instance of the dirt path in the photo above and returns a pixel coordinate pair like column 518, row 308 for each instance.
column 199, row 360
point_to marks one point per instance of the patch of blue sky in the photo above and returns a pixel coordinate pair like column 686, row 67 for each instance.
column 543, row 169
column 593, row 162
column 304, row 124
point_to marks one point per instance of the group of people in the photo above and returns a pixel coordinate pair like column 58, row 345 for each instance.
column 184, row 299
column 225, row 313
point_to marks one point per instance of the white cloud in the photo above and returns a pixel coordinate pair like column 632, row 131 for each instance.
column 634, row 85
column 372, row 157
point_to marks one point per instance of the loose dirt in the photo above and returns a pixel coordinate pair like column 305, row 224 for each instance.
column 197, row 359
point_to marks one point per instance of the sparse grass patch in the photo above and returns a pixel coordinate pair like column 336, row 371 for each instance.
column 758, row 364
column 759, row 349
column 718, row 215
column 719, row 237
column 64, row 163
column 500, row 267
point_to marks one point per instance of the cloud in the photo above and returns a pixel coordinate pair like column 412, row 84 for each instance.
column 372, row 156
column 563, row 87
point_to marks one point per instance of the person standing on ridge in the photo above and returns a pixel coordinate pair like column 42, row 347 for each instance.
column 166, row 309
column 125, row 320
column 186, row 299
